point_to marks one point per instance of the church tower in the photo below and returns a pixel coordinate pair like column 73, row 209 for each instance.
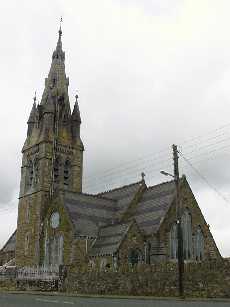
column 52, row 158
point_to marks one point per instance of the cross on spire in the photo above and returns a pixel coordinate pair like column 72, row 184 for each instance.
column 60, row 30
column 143, row 176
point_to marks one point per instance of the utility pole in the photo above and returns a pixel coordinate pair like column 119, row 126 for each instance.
column 180, row 253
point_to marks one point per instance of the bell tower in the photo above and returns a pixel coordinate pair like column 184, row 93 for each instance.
column 52, row 158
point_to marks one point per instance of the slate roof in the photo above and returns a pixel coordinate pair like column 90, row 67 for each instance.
column 88, row 213
column 123, row 196
column 98, row 215
column 153, row 206
column 10, row 244
column 109, row 239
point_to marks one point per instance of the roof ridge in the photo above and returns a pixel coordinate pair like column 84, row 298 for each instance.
column 119, row 188
column 159, row 184
column 87, row 194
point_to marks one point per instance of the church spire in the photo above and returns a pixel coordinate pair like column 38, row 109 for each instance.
column 32, row 118
column 76, row 112
column 56, row 84
column 76, row 119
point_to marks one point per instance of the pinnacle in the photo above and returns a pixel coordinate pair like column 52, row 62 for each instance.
column 76, row 112
column 32, row 117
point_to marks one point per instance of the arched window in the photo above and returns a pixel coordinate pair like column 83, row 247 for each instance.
column 30, row 173
column 56, row 170
column 27, row 243
column 36, row 170
column 27, row 211
column 56, row 250
column 60, row 250
column 135, row 256
column 199, row 244
column 66, row 172
column 173, row 242
column 186, row 223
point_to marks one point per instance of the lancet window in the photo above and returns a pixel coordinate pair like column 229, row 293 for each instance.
column 27, row 243
column 66, row 172
column 199, row 244
column 186, row 223
column 56, row 169
column 36, row 170
column 54, row 251
column 135, row 256
column 173, row 242
column 30, row 173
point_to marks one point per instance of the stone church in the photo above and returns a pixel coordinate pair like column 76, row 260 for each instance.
column 59, row 224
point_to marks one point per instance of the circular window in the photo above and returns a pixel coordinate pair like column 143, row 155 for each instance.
column 55, row 220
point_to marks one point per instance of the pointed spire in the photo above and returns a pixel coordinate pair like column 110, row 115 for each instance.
column 56, row 84
column 32, row 117
column 60, row 30
column 76, row 112
column 58, row 53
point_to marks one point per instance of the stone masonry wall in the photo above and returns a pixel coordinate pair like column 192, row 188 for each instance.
column 200, row 280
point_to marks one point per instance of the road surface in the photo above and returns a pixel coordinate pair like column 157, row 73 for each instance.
column 27, row 300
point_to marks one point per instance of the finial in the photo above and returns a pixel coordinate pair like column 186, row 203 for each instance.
column 60, row 30
column 76, row 96
column 143, row 176
column 35, row 97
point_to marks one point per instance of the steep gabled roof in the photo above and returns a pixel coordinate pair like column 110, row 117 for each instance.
column 10, row 244
column 153, row 206
column 109, row 239
column 88, row 212
column 121, row 192
column 123, row 195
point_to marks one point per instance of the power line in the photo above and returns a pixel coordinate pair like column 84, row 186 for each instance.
column 205, row 179
column 202, row 136
column 207, row 145
column 118, row 169
column 126, row 171
column 127, row 174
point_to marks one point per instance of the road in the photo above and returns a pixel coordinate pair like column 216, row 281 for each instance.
column 27, row 300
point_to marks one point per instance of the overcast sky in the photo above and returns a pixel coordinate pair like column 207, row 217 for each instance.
column 149, row 73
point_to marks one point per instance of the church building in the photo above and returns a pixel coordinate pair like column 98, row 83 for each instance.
column 59, row 224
